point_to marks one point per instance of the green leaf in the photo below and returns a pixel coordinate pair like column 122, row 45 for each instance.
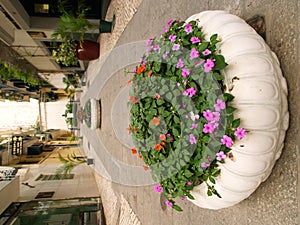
column 220, row 62
column 228, row 97
column 212, row 179
column 177, row 208
column 209, row 193
column 230, row 109
column 236, row 123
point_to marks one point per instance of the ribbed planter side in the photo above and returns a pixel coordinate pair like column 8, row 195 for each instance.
column 261, row 102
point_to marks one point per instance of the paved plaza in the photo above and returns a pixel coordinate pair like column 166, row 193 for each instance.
column 276, row 201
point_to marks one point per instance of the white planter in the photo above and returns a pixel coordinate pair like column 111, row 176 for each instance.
column 95, row 114
column 261, row 102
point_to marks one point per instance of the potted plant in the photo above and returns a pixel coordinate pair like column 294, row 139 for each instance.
column 71, row 32
column 184, row 116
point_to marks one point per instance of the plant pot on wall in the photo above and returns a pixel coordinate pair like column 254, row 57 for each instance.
column 87, row 50
column 261, row 102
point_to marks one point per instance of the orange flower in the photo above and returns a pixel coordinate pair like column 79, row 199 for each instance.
column 157, row 147
column 132, row 99
column 141, row 69
column 149, row 73
column 162, row 137
column 156, row 121
column 135, row 129
column 128, row 82
column 133, row 151
column 140, row 156
column 128, row 129
column 163, row 143
column 146, row 168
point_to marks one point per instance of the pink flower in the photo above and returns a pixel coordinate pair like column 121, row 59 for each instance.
column 194, row 54
column 180, row 64
column 206, row 52
column 165, row 55
column 227, row 141
column 185, row 72
column 169, row 22
column 216, row 116
column 156, row 48
column 208, row 128
column 172, row 37
column 184, row 197
column 176, row 47
column 188, row 28
column 205, row 165
column 195, row 40
column 170, row 204
column 240, row 133
column 194, row 125
column 220, row 105
column 220, row 155
column 157, row 188
column 208, row 65
column 208, row 115
column 157, row 96
column 192, row 139
column 149, row 42
column 166, row 29
column 190, row 92
column 189, row 183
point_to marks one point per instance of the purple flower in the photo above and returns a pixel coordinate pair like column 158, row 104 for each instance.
column 208, row 115
column 184, row 197
column 185, row 72
column 194, row 54
column 206, row 52
column 184, row 106
column 220, row 155
column 227, row 141
column 188, row 28
column 208, row 128
column 240, row 133
column 195, row 40
column 205, row 165
column 208, row 65
column 170, row 204
column 220, row 105
column 157, row 188
column 180, row 64
column 190, row 92
column 172, row 37
column 156, row 48
column 192, row 139
column 176, row 47
column 165, row 55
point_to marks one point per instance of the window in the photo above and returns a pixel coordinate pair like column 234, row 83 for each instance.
column 41, row 8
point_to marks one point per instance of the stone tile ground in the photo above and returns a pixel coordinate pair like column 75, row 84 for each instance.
column 276, row 201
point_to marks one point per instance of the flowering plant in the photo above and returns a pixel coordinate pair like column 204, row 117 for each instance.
column 87, row 113
column 181, row 120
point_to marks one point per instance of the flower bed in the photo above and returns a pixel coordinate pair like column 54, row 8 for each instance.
column 87, row 113
column 183, row 115
column 182, row 123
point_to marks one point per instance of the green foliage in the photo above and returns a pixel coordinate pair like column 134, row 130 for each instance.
column 70, row 162
column 163, row 116
column 70, row 27
column 7, row 72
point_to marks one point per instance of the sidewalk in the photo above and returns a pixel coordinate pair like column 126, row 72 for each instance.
column 275, row 201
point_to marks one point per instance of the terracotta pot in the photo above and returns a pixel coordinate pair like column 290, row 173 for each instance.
column 87, row 50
